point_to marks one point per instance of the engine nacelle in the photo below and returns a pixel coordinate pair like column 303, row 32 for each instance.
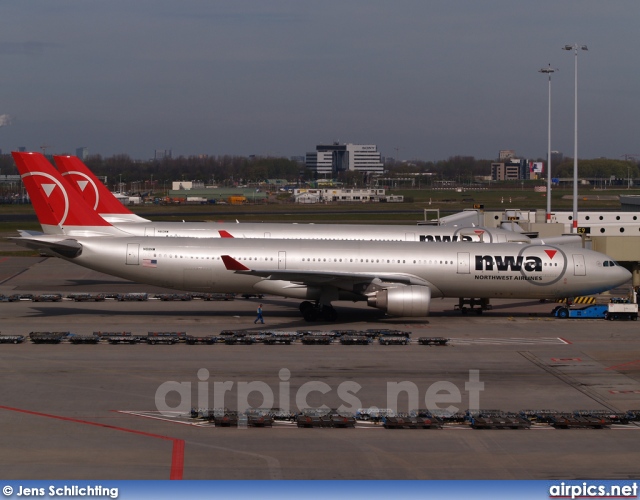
column 410, row 300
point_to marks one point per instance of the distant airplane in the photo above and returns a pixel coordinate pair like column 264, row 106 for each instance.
column 63, row 210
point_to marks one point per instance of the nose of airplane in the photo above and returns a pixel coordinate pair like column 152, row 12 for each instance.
column 621, row 276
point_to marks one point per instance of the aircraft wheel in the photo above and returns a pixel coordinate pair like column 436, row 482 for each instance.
column 306, row 305
column 329, row 313
column 310, row 314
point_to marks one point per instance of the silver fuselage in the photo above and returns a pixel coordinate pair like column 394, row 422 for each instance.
column 464, row 269
column 364, row 232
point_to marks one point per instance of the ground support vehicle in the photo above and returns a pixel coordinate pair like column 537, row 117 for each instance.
column 128, row 297
column 539, row 416
column 252, row 295
column 164, row 337
column 355, row 340
column 233, row 333
column 394, row 340
column 47, row 337
column 317, row 339
column 340, row 333
column 341, row 420
column 633, row 415
column 86, row 297
column 621, row 309
column 47, row 297
column 590, row 311
column 433, row 341
column 495, row 419
column 281, row 415
column 19, row 296
column 259, row 418
column 302, row 333
column 325, row 418
column 307, row 420
column 244, row 339
column 11, row 339
column 279, row 339
column 409, row 422
column 173, row 296
column 373, row 414
column 84, row 339
column 224, row 419
column 472, row 303
column 192, row 340
column 377, row 333
column 118, row 337
column 612, row 417
column 442, row 416
column 572, row 421
column 214, row 296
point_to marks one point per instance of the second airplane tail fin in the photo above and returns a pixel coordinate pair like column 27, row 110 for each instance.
column 94, row 192
column 60, row 210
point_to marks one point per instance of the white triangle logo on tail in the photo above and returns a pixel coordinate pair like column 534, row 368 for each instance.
column 48, row 188
column 82, row 184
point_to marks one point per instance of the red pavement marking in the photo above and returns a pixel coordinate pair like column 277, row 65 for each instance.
column 177, row 455
column 623, row 364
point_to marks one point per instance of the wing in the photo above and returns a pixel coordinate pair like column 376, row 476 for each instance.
column 341, row 280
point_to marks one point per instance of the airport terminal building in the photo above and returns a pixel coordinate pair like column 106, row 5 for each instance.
column 329, row 159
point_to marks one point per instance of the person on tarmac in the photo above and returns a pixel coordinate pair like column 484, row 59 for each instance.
column 259, row 317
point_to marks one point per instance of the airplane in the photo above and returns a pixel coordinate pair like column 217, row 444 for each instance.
column 399, row 278
column 64, row 211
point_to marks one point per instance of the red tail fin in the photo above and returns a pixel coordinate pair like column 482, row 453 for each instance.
column 232, row 264
column 94, row 192
column 57, row 205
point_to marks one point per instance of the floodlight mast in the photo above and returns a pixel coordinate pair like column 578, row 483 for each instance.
column 575, row 47
column 548, row 71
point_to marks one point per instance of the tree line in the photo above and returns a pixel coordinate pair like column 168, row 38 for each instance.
column 238, row 169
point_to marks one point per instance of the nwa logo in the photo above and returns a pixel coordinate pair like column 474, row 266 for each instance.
column 82, row 180
column 444, row 238
column 526, row 263
column 454, row 237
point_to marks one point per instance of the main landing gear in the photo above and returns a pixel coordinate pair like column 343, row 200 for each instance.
column 472, row 303
column 317, row 312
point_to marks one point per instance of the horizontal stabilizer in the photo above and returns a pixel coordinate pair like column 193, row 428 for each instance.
column 54, row 246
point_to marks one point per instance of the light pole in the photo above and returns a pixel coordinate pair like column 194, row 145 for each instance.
column 575, row 47
column 548, row 71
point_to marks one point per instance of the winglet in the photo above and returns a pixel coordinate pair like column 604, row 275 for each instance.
column 225, row 234
column 233, row 265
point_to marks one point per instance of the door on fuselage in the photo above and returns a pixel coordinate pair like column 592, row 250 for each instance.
column 133, row 254
column 579, row 267
column 463, row 263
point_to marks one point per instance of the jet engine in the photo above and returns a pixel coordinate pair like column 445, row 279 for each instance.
column 402, row 301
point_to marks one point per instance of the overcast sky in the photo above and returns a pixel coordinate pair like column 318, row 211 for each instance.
column 421, row 79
